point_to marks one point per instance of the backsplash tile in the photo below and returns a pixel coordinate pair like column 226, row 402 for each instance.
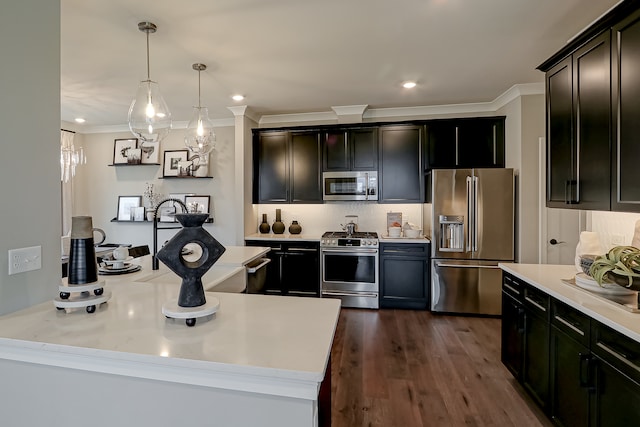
column 614, row 228
column 316, row 219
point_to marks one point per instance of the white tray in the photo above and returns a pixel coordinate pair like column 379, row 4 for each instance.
column 586, row 282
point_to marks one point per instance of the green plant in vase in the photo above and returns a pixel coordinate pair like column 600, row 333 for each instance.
column 621, row 265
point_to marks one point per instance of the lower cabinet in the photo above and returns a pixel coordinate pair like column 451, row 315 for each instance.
column 404, row 275
column 579, row 371
column 294, row 268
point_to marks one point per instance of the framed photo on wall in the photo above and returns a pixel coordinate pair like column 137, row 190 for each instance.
column 126, row 207
column 167, row 213
column 197, row 204
column 121, row 148
column 150, row 152
column 171, row 160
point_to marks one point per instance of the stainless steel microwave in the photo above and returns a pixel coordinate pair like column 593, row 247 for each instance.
column 350, row 185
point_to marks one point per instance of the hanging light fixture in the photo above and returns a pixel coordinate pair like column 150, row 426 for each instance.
column 149, row 116
column 200, row 138
column 70, row 157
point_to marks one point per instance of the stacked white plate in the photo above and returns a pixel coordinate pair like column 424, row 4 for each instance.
column 586, row 282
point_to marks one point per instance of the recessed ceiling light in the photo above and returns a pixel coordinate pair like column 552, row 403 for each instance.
column 80, row 120
column 237, row 97
column 409, row 85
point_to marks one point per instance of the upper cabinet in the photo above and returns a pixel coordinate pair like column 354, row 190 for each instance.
column 592, row 116
column 287, row 167
column 465, row 143
column 400, row 175
column 626, row 83
column 352, row 149
column 579, row 128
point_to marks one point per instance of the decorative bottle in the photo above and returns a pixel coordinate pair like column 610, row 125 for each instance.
column 264, row 226
column 278, row 225
column 295, row 228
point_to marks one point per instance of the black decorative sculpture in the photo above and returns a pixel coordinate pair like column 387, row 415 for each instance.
column 190, row 254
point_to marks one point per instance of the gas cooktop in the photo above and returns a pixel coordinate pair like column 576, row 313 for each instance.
column 356, row 235
column 355, row 240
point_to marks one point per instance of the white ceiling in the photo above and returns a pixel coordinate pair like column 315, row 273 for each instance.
column 292, row 56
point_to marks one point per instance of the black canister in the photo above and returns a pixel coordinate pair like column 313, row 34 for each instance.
column 83, row 267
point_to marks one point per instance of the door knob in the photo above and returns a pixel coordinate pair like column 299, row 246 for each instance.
column 555, row 242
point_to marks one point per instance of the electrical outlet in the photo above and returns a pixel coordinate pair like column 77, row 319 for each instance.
column 25, row 259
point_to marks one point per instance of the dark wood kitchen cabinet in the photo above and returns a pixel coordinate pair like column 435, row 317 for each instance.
column 465, row 143
column 294, row 268
column 404, row 275
column 571, row 366
column 589, row 373
column 625, row 195
column 400, row 167
column 579, row 128
column 535, row 366
column 287, row 167
column 351, row 149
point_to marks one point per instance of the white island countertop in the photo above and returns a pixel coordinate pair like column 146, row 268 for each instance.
column 548, row 278
column 255, row 345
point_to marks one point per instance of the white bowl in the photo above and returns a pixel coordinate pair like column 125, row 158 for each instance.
column 395, row 231
column 412, row 232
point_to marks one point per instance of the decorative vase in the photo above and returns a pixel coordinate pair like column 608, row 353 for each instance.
column 83, row 267
column 264, row 226
column 278, row 225
column 174, row 256
column 295, row 228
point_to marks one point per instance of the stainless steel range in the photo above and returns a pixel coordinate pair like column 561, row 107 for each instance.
column 349, row 268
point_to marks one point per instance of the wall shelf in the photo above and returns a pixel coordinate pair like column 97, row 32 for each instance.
column 185, row 177
column 131, row 164
column 208, row 221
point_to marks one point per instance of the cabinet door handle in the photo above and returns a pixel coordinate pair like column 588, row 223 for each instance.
column 302, row 250
column 569, row 325
column 535, row 304
column 511, row 288
column 495, row 142
column 521, row 320
column 585, row 371
column 622, row 357
column 457, row 157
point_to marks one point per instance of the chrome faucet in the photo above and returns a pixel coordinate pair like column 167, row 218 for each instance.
column 155, row 263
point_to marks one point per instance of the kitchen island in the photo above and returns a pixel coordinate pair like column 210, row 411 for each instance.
column 259, row 360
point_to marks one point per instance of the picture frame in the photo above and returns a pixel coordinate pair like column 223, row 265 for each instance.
column 126, row 207
column 166, row 213
column 171, row 160
column 181, row 197
column 198, row 204
column 150, row 152
column 121, row 149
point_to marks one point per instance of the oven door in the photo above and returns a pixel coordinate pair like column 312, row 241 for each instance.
column 349, row 270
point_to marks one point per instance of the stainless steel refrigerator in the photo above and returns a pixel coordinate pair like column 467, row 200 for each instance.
column 473, row 215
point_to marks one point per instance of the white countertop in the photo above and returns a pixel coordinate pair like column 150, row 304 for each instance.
column 548, row 278
column 387, row 239
column 263, row 344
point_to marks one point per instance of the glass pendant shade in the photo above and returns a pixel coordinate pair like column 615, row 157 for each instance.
column 200, row 138
column 149, row 116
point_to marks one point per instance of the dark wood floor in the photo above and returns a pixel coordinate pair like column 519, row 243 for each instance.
column 413, row 368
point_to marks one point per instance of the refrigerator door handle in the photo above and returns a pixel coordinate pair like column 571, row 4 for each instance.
column 470, row 220
column 475, row 214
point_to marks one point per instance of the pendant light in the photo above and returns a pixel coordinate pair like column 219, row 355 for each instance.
column 149, row 116
column 200, row 138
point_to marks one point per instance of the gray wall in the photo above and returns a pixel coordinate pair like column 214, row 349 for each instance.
column 30, row 168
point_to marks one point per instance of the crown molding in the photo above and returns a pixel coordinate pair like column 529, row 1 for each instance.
column 347, row 113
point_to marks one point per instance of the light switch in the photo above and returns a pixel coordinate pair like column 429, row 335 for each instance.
column 25, row 259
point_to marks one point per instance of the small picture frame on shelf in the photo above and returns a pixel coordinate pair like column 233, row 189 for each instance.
column 197, row 204
column 172, row 161
column 167, row 213
column 134, row 156
column 121, row 148
column 150, row 152
column 138, row 213
column 181, row 197
column 126, row 207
